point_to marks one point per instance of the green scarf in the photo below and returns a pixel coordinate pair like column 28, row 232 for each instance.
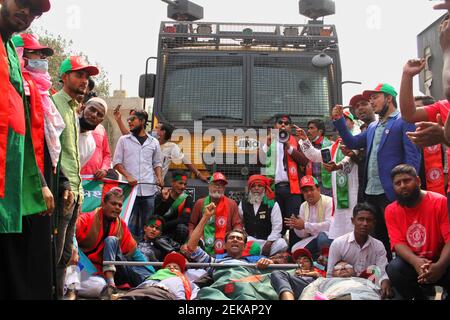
column 341, row 182
column 326, row 176
column 271, row 161
column 162, row 274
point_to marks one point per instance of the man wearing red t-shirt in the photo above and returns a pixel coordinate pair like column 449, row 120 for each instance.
column 429, row 119
column 418, row 227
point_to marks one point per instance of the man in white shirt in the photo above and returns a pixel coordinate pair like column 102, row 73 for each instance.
column 313, row 222
column 171, row 152
column 138, row 159
column 262, row 216
column 283, row 164
column 367, row 255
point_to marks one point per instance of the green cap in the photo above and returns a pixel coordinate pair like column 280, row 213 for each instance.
column 382, row 87
column 75, row 63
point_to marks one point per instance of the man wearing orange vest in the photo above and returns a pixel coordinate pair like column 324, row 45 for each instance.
column 285, row 165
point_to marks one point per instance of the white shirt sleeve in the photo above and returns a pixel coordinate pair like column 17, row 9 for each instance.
column 334, row 256
column 382, row 262
column 265, row 148
column 316, row 228
column 310, row 152
column 241, row 212
column 177, row 155
column 118, row 153
column 157, row 156
column 301, row 233
column 277, row 223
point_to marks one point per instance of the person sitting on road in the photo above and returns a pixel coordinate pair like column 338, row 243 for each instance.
column 262, row 217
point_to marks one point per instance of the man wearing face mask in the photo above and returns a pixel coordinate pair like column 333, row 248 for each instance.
column 387, row 146
column 22, row 190
column 138, row 159
column 95, row 155
column 226, row 218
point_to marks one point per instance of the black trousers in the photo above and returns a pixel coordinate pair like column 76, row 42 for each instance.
column 404, row 279
column 289, row 205
column 380, row 232
column 26, row 261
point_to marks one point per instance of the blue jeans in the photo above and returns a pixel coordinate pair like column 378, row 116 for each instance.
column 316, row 245
column 143, row 210
column 133, row 275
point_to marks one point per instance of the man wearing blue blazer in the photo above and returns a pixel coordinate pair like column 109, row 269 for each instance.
column 386, row 145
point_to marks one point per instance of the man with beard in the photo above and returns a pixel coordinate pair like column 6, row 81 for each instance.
column 95, row 155
column 74, row 72
column 22, row 192
column 362, row 109
column 226, row 216
column 387, row 146
column 175, row 205
column 138, row 159
column 261, row 216
column 419, row 231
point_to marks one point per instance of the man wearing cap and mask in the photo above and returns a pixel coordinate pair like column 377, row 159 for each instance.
column 262, row 217
column 22, row 189
column 74, row 72
column 314, row 220
column 95, row 156
column 387, row 145
column 226, row 218
column 138, row 159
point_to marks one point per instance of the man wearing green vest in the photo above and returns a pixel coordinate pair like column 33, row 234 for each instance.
column 21, row 184
column 74, row 72
column 175, row 206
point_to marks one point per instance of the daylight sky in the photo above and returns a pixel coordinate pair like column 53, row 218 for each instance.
column 376, row 37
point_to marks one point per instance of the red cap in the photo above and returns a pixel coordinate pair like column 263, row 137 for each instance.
column 301, row 252
column 76, row 63
column 218, row 176
column 308, row 181
column 30, row 42
column 44, row 5
column 177, row 258
column 356, row 99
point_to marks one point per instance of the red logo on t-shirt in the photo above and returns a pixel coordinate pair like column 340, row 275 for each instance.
column 416, row 235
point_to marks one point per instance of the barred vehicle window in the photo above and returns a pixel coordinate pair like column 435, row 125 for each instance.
column 208, row 88
column 289, row 85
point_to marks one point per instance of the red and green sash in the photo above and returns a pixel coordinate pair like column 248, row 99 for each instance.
column 178, row 205
column 216, row 228
column 165, row 273
column 20, row 185
column 37, row 121
column 292, row 167
column 342, row 192
column 434, row 170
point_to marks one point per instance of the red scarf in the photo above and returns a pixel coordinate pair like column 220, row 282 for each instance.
column 434, row 170
column 293, row 168
column 186, row 285
column 37, row 121
column 220, row 225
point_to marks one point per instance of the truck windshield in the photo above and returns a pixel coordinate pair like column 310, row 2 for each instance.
column 208, row 88
column 290, row 85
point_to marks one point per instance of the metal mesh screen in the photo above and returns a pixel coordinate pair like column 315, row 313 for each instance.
column 208, row 88
column 289, row 85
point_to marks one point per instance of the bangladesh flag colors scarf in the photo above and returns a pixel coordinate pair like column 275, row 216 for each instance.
column 20, row 185
column 164, row 274
column 342, row 191
column 292, row 168
column 178, row 205
column 216, row 228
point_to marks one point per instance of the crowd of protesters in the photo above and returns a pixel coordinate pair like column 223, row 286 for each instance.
column 363, row 215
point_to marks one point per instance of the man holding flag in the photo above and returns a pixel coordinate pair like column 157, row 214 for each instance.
column 21, row 186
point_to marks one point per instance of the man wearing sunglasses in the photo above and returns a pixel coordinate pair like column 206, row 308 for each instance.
column 285, row 164
column 22, row 192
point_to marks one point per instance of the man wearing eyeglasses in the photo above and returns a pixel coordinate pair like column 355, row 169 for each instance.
column 138, row 158
column 284, row 164
column 22, row 190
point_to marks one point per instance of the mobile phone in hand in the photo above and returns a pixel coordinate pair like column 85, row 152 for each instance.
column 326, row 155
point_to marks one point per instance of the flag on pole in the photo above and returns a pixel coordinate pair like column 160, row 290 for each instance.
column 95, row 190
